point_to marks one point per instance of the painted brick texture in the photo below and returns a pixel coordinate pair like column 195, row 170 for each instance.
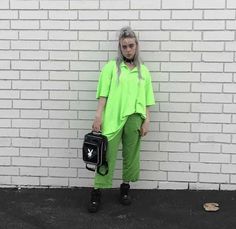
column 51, row 53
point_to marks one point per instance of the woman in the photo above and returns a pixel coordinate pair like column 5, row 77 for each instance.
column 124, row 95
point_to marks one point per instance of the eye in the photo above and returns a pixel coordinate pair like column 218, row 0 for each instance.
column 124, row 46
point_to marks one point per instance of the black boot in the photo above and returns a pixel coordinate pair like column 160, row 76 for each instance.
column 94, row 201
column 124, row 194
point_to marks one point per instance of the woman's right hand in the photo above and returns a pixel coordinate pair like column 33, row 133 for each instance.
column 97, row 123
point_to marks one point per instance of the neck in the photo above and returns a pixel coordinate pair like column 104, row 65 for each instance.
column 130, row 61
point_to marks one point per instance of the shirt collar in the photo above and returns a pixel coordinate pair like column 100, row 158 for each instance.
column 123, row 65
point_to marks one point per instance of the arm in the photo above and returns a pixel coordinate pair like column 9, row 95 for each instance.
column 97, row 123
column 145, row 126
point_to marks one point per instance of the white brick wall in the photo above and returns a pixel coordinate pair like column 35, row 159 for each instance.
column 51, row 53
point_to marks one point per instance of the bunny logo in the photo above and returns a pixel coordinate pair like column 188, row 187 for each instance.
column 90, row 153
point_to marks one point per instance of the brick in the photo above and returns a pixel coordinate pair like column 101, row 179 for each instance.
column 187, row 14
column 54, row 45
column 204, row 128
column 54, row 5
column 214, row 178
column 54, row 25
column 176, row 25
column 176, row 46
column 9, row 132
column 25, row 142
column 34, row 114
column 25, row 45
column 174, row 166
column 148, row 4
column 173, row 185
column 33, row 75
column 219, row 14
column 162, row 35
column 230, row 67
column 4, row 25
column 209, row 25
column 187, row 36
column 205, row 168
column 54, row 65
column 58, row 114
column 54, row 162
column 54, row 182
column 224, row 138
column 9, row 113
column 218, row 36
column 84, row 65
column 30, row 65
column 216, row 118
column 62, row 172
column 181, row 97
column 34, row 95
column 36, row 55
column 185, row 77
column 33, row 133
column 33, row 35
column 216, row 77
column 119, row 4
column 207, row 67
column 33, row 14
column 181, row 127
column 145, row 25
column 204, row 186
column 55, row 105
column 208, row 46
column 25, row 180
column 25, row 123
column 63, row 35
column 174, row 146
column 230, row 25
column 218, row 57
column 171, row 4
column 64, row 76
column 92, row 35
column 63, row 134
column 154, row 14
column 174, row 107
column 176, row 67
column 84, row 4
column 183, row 137
column 26, row 104
column 54, row 143
column 55, row 124
column 182, row 176
column 33, row 85
column 25, row 161
column 206, row 108
column 205, row 148
column 231, row 4
column 35, row 152
column 26, row 24
column 8, row 14
column 119, row 15
column 174, row 87
column 217, row 98
column 183, row 117
column 206, row 87
column 63, row 15
column 9, row 171
column 201, row 4
column 8, row 34
column 28, row 171
column 5, row 4
column 84, row 45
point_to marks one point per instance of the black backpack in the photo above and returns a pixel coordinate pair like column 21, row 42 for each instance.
column 94, row 152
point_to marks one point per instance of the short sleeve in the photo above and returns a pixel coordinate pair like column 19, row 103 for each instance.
column 104, row 82
column 150, row 100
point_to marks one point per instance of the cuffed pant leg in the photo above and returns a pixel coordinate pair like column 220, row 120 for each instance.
column 131, row 148
column 111, row 155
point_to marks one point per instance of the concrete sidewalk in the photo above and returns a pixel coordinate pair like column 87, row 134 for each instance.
column 67, row 209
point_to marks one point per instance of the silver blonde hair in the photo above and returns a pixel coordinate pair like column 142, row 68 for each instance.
column 127, row 32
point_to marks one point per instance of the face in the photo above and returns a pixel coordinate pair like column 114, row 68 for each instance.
column 128, row 47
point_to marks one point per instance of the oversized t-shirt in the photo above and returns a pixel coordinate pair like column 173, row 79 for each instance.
column 126, row 95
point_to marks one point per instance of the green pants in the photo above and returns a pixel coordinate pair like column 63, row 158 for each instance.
column 130, row 137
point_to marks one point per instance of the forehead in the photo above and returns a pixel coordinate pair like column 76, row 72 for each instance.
column 126, row 41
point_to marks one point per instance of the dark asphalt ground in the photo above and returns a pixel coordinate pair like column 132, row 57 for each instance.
column 67, row 209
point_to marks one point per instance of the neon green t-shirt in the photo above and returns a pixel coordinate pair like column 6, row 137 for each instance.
column 125, row 96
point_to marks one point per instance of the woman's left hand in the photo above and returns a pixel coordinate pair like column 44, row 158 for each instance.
column 144, row 128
